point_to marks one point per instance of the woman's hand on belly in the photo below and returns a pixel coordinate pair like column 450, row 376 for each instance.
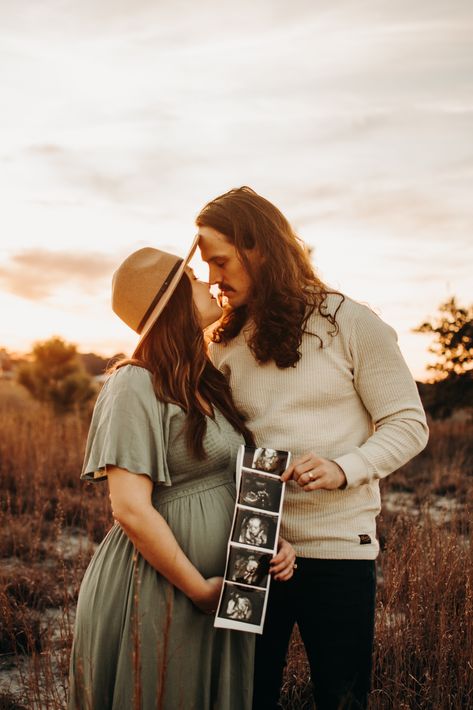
column 207, row 601
column 152, row 536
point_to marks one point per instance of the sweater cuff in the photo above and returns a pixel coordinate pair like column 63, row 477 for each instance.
column 355, row 469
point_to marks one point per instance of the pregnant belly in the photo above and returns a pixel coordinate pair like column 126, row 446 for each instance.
column 201, row 523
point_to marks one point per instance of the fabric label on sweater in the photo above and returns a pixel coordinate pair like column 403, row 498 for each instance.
column 365, row 539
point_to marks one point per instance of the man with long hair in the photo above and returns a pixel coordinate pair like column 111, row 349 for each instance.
column 320, row 375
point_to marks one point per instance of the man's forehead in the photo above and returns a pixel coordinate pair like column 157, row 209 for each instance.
column 214, row 247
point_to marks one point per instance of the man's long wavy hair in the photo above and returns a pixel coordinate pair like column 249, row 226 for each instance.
column 285, row 290
column 174, row 352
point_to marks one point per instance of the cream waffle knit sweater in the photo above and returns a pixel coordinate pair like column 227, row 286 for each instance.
column 352, row 400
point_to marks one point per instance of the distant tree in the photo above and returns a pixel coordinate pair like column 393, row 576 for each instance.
column 56, row 375
column 96, row 364
column 6, row 364
column 452, row 381
column 453, row 340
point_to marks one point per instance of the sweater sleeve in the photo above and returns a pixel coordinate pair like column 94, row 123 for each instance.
column 389, row 393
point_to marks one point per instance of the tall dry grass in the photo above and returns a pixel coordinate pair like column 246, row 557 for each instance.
column 423, row 656
column 424, row 650
column 49, row 523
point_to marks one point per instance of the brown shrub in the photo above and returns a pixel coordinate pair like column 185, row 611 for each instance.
column 296, row 691
column 424, row 634
column 444, row 467
column 21, row 630
column 35, row 587
column 8, row 701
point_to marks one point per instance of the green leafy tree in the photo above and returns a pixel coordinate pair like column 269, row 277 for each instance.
column 453, row 340
column 56, row 375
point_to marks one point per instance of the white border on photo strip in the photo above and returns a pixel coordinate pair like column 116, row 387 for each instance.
column 263, row 473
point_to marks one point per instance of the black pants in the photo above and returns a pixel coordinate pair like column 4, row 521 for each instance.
column 333, row 603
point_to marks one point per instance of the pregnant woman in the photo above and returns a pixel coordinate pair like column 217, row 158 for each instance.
column 164, row 433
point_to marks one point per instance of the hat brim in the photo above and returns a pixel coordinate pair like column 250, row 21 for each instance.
column 163, row 301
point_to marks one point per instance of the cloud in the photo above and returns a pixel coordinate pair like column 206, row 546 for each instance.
column 48, row 149
column 80, row 169
column 35, row 274
column 408, row 210
column 428, row 212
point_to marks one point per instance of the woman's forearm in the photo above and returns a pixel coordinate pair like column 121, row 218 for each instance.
column 154, row 539
column 131, row 497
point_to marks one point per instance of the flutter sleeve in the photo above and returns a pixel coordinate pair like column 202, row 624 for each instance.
column 129, row 428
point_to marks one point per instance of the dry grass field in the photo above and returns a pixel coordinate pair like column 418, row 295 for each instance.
column 50, row 522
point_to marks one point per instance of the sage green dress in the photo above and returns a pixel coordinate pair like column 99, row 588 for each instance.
column 140, row 643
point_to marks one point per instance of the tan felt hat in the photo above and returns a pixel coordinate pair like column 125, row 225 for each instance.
column 143, row 284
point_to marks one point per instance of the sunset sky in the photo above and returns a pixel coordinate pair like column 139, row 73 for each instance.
column 121, row 118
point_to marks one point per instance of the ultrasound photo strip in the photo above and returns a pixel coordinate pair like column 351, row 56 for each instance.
column 253, row 538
